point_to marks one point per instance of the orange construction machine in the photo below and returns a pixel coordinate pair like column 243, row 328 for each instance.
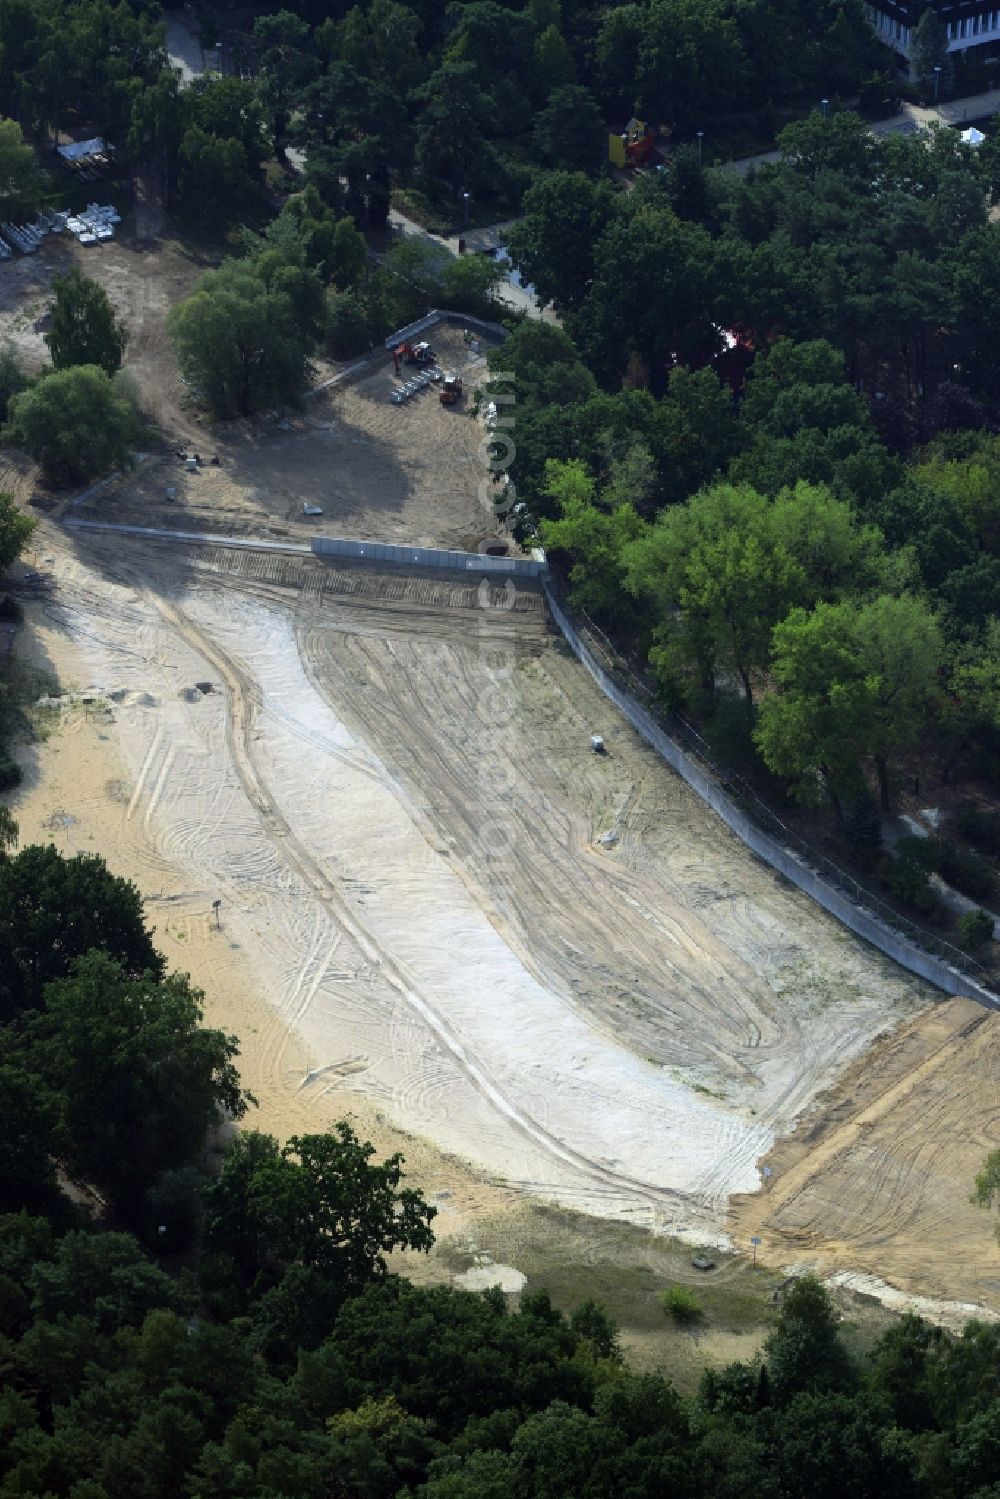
column 451, row 390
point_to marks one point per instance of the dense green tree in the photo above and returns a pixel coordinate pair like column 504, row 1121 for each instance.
column 929, row 52
column 21, row 182
column 13, row 378
column 322, row 1203
column 855, row 681
column 966, row 467
column 104, row 1277
column 139, row 1082
column 649, row 298
column 286, row 67
column 569, row 134
column 593, row 536
column 538, row 365
column 355, row 132
column 16, row 530
column 687, row 186
column 689, row 53
column 348, row 329
column 565, row 215
column 76, row 422
column 214, row 184
column 382, row 40
column 84, row 328
column 732, row 564
column 695, row 432
column 804, row 1352
column 240, row 342
column 230, row 109
column 27, row 1141
column 53, row 910
column 451, row 144
column 231, row 1224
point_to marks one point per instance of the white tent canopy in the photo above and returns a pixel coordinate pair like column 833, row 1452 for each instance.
column 79, row 150
column 972, row 136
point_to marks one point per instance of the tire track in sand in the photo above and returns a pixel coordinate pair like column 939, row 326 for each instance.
column 240, row 692
column 767, row 1210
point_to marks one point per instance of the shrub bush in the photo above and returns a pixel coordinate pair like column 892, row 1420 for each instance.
column 907, row 878
column 975, row 929
column 681, row 1304
column 967, row 871
column 10, row 773
column 980, row 827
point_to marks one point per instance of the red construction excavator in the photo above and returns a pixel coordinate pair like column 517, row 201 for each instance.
column 421, row 353
column 451, row 390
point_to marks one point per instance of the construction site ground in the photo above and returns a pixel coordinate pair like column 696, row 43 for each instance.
column 585, row 1008
column 376, row 470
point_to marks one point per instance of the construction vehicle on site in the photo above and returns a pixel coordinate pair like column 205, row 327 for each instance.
column 451, row 390
column 407, row 353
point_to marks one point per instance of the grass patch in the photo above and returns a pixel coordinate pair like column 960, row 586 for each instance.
column 20, row 688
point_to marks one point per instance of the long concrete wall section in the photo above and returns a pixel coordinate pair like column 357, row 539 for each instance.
column 443, row 315
column 864, row 923
column 430, row 557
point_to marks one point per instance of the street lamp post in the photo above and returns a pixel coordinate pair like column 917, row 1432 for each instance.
column 824, row 105
column 937, row 80
column 467, row 197
column 701, row 137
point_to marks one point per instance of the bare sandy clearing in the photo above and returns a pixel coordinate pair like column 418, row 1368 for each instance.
column 379, row 471
column 143, row 282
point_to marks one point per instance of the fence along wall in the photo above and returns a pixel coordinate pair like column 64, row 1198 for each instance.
column 409, row 556
column 835, row 901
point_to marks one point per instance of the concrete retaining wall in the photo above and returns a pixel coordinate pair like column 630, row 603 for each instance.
column 443, row 315
column 409, row 556
column 860, row 921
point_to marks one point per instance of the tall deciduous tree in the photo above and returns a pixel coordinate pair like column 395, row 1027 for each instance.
column 592, row 535
column 565, row 215
column 76, row 422
column 855, row 681
column 240, row 342
column 54, row 910
column 322, row 1204
column 286, row 67
column 569, row 133
column 84, row 327
column 20, row 178
column 722, row 570
column 138, row 1081
column 929, row 50
column 16, row 530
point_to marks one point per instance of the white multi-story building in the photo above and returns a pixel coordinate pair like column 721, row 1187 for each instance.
column 969, row 23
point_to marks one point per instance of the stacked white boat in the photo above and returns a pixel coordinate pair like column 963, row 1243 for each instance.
column 27, row 237
column 94, row 224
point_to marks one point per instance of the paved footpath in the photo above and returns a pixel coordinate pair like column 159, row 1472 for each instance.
column 911, row 117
